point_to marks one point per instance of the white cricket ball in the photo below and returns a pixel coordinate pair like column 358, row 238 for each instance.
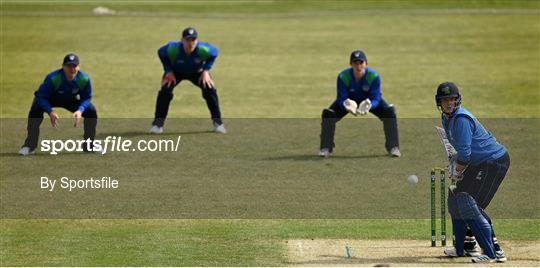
column 412, row 179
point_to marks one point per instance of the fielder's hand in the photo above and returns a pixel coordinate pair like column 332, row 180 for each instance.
column 364, row 107
column 350, row 106
column 205, row 80
column 76, row 118
column 54, row 119
column 168, row 80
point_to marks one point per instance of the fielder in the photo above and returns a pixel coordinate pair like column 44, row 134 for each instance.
column 69, row 88
column 479, row 168
column 192, row 60
column 361, row 85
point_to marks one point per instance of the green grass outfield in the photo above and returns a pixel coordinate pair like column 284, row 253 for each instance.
column 195, row 242
column 281, row 63
column 278, row 60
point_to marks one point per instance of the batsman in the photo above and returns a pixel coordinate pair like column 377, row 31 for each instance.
column 478, row 168
column 359, row 92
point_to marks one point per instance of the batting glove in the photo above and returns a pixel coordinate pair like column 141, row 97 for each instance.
column 453, row 174
column 364, row 107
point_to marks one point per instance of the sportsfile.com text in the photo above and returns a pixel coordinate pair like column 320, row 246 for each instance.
column 110, row 144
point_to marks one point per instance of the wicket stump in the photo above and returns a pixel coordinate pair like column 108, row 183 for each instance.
column 442, row 178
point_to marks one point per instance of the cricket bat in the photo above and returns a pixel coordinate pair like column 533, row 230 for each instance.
column 450, row 150
column 450, row 153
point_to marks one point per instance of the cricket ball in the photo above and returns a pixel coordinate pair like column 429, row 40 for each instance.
column 412, row 179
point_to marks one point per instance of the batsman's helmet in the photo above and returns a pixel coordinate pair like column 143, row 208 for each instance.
column 447, row 89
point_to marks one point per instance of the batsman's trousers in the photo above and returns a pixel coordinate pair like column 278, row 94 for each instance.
column 482, row 181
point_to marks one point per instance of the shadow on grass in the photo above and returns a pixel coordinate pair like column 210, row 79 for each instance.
column 132, row 134
column 359, row 156
column 6, row 154
column 315, row 157
column 47, row 154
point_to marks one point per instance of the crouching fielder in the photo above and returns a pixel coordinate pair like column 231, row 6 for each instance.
column 479, row 169
column 359, row 92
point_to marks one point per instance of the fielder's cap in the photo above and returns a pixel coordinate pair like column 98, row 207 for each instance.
column 71, row 59
column 358, row 55
column 189, row 32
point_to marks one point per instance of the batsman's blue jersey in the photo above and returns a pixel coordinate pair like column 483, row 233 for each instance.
column 57, row 90
column 174, row 58
column 473, row 143
column 368, row 87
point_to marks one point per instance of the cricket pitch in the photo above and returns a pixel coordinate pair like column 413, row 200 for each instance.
column 332, row 252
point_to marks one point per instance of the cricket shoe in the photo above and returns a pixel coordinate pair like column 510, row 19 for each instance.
column 324, row 152
column 220, row 128
column 394, row 152
column 483, row 259
column 499, row 253
column 451, row 252
column 26, row 151
column 156, row 130
column 501, row 256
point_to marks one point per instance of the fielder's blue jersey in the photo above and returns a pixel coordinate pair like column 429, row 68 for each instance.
column 473, row 143
column 369, row 87
column 174, row 58
column 57, row 90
